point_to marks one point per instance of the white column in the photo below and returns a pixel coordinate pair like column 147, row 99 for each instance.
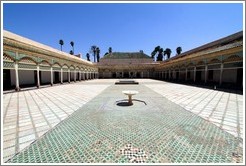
column 69, row 75
column 38, row 80
column 179, row 74
column 186, row 73
column 221, row 72
column 61, row 76
column 17, row 87
column 206, row 73
column 51, row 76
column 194, row 74
column 74, row 73
column 79, row 75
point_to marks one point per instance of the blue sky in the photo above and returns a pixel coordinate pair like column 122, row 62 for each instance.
column 128, row 27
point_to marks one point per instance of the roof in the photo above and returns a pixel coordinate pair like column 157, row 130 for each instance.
column 19, row 39
column 127, row 55
column 217, row 43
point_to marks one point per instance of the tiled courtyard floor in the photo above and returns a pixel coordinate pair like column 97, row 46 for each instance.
column 101, row 131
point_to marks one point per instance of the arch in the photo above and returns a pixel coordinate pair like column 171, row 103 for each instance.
column 27, row 60
column 215, row 60
column 56, row 64
column 45, row 63
column 77, row 68
column 182, row 65
column 200, row 63
column 190, row 64
column 7, row 57
column 72, row 67
column 233, row 58
column 65, row 66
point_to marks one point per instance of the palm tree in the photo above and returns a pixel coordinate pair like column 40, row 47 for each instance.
column 98, row 53
column 61, row 43
column 71, row 52
column 93, row 49
column 110, row 50
column 153, row 54
column 157, row 48
column 160, row 54
column 88, row 57
column 72, row 44
column 179, row 50
column 168, row 52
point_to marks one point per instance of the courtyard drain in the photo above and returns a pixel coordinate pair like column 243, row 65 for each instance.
column 135, row 155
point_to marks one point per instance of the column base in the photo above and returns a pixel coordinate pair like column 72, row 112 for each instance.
column 17, row 89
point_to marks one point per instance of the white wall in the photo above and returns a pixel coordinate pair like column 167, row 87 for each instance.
column 72, row 76
column 59, row 76
column 216, row 76
column 65, row 76
column 108, row 75
column 182, row 75
column 145, row 74
column 26, row 77
column 203, row 76
column 229, row 76
column 45, row 77
column 12, row 77
column 191, row 75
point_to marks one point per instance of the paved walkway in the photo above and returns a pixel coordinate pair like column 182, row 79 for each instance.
column 223, row 109
column 30, row 114
column 27, row 115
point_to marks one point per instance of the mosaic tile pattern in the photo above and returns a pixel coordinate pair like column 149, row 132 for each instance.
column 162, row 131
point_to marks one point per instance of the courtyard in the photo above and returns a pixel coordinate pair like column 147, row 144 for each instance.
column 83, row 122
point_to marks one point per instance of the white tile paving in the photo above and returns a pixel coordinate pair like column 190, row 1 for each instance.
column 221, row 108
column 27, row 115
column 30, row 114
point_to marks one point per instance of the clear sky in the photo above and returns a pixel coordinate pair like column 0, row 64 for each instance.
column 128, row 27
